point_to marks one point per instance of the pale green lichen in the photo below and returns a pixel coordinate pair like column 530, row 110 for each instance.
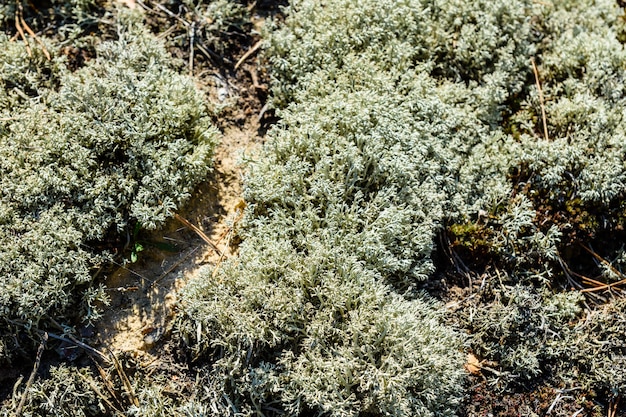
column 121, row 141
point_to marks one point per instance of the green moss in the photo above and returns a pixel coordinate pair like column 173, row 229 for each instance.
column 472, row 236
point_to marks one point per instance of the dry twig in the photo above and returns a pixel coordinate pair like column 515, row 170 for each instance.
column 249, row 53
column 21, row 26
column 31, row 379
column 129, row 388
column 192, row 36
column 108, row 384
column 611, row 412
column 601, row 285
column 543, row 109
column 99, row 393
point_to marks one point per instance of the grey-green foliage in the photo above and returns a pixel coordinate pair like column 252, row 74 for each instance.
column 121, row 141
column 67, row 391
column 598, row 350
column 344, row 202
column 70, row 10
column 396, row 118
column 454, row 67
column 23, row 77
column 217, row 24
column 461, row 41
column 583, row 70
column 316, row 330
column 528, row 335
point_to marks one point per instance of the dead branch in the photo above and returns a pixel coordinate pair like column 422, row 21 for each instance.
column 21, row 26
column 129, row 388
column 31, row 33
column 18, row 26
column 99, row 393
column 108, row 384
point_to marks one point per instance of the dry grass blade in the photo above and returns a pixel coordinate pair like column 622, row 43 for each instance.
column 199, row 232
column 249, row 53
column 543, row 109
column 192, row 35
column 31, row 33
column 99, row 393
column 31, row 379
column 127, row 385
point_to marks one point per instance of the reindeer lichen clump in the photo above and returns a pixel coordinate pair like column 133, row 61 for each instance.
column 83, row 156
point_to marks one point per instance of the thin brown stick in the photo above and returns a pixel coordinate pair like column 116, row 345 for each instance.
column 31, row 379
column 570, row 277
column 249, row 53
column 212, row 55
column 18, row 26
column 612, row 409
column 604, row 261
column 74, row 341
column 131, row 271
column 99, row 393
column 129, row 388
column 31, row 33
column 192, row 36
column 198, row 232
column 543, row 109
column 170, row 13
column 602, row 285
column 107, row 383
column 605, row 286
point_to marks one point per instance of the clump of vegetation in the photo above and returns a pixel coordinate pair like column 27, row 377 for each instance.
column 217, row 20
column 293, row 331
column 121, row 141
column 398, row 120
column 67, row 391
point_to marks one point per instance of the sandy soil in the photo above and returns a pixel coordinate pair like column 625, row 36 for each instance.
column 143, row 294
